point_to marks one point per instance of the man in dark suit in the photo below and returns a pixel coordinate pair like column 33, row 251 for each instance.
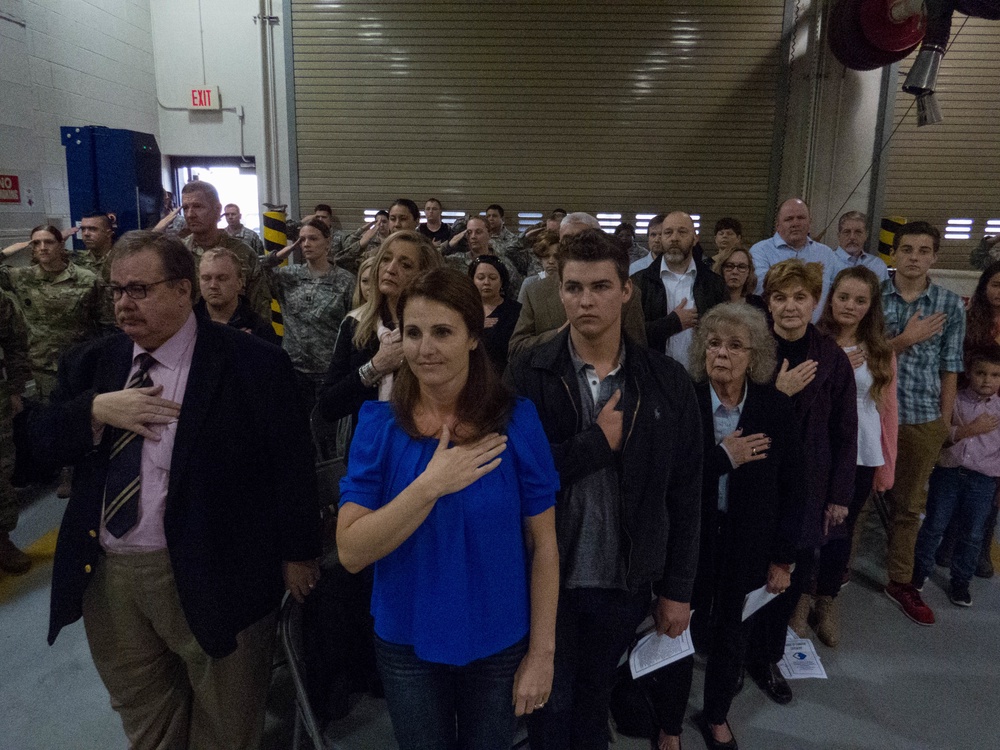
column 194, row 505
column 676, row 288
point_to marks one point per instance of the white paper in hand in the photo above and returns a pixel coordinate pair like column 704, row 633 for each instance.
column 755, row 600
column 654, row 651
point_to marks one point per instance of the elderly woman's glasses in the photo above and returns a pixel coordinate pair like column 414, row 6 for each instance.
column 735, row 267
column 734, row 347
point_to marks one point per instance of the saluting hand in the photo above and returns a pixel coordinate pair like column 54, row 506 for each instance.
column 453, row 469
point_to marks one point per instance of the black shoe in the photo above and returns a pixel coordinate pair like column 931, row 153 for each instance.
column 984, row 568
column 959, row 595
column 769, row 679
column 710, row 742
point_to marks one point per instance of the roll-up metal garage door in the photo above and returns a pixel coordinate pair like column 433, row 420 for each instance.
column 623, row 107
column 947, row 174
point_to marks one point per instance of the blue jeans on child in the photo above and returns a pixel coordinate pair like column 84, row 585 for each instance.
column 428, row 702
column 967, row 495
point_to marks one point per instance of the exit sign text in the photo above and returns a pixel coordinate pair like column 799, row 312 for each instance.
column 204, row 98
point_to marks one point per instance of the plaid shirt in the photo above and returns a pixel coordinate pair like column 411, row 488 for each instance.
column 920, row 366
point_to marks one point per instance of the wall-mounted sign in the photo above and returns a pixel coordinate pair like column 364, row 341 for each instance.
column 206, row 97
column 10, row 189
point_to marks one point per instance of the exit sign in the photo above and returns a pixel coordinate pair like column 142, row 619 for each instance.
column 206, row 97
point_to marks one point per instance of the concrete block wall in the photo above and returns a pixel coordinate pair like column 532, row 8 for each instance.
column 67, row 62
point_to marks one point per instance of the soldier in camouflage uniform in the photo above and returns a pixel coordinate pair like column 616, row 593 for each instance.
column 202, row 210
column 59, row 301
column 98, row 234
column 478, row 243
column 235, row 228
column 15, row 372
column 314, row 296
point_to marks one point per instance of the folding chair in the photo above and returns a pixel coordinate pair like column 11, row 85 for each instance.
column 290, row 630
column 329, row 440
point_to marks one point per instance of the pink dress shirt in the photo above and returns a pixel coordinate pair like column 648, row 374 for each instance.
column 173, row 364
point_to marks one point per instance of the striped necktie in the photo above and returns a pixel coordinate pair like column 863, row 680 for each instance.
column 121, row 490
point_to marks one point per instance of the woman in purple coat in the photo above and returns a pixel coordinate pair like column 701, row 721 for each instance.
column 816, row 373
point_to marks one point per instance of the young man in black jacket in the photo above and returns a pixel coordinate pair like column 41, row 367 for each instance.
column 625, row 432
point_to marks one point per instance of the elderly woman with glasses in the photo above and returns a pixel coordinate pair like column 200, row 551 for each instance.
column 751, row 507
column 735, row 266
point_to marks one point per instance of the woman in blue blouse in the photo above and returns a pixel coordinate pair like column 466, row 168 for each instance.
column 450, row 493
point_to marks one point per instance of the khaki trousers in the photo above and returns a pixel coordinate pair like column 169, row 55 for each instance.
column 918, row 448
column 170, row 694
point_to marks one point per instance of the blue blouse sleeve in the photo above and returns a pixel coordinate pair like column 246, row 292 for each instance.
column 364, row 483
column 532, row 457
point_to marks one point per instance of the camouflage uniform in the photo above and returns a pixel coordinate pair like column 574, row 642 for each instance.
column 256, row 290
column 101, row 268
column 250, row 238
column 312, row 308
column 15, row 372
column 61, row 311
column 351, row 254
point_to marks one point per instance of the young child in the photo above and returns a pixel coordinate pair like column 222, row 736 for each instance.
column 964, row 481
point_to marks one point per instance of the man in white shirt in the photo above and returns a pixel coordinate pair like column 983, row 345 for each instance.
column 791, row 240
column 852, row 234
column 675, row 288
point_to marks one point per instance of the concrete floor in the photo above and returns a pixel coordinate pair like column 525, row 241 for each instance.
column 892, row 685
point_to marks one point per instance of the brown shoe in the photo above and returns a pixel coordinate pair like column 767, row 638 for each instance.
column 65, row 488
column 827, row 620
column 800, row 617
column 12, row 560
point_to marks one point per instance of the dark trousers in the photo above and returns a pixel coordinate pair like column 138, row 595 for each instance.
column 718, row 630
column 770, row 623
column 594, row 627
column 835, row 555
column 443, row 707
column 965, row 497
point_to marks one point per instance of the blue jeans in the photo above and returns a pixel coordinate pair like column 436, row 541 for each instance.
column 443, row 707
column 967, row 495
column 593, row 629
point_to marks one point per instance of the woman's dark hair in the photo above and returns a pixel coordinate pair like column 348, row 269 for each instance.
column 871, row 329
column 320, row 226
column 593, row 246
column 485, row 404
column 494, row 261
column 979, row 325
column 51, row 230
column 410, row 206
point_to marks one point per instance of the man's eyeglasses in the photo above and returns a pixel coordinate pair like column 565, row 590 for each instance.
column 735, row 267
column 133, row 291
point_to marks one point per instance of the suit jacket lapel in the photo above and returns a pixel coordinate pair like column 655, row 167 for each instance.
column 204, row 380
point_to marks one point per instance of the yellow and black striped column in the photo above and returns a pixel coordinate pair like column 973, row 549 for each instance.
column 275, row 239
column 887, row 232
